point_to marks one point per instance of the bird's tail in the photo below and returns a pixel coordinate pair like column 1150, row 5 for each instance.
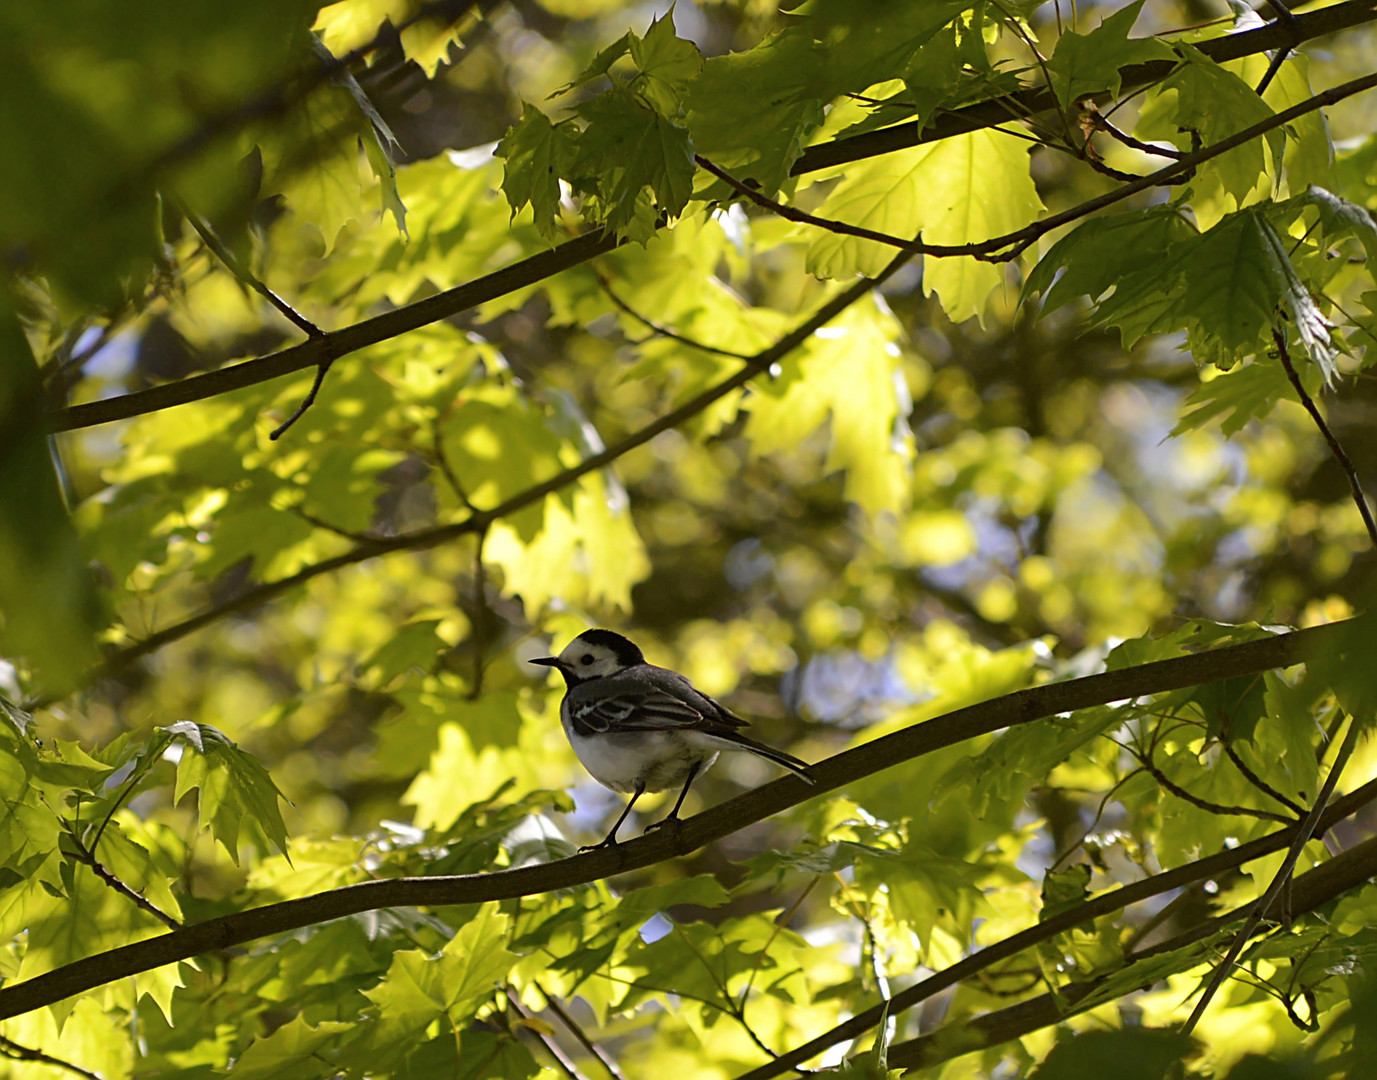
column 744, row 742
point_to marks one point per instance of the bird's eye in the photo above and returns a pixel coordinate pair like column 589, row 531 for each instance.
column 587, row 658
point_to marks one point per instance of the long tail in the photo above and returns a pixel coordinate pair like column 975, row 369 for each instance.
column 736, row 740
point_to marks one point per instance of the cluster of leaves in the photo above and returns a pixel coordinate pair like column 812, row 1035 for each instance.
column 952, row 488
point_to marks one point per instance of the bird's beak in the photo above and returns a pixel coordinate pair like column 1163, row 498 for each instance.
column 545, row 661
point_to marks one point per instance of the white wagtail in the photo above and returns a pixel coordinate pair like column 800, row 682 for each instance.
column 637, row 727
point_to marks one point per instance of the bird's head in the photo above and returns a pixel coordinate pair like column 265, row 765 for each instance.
column 594, row 654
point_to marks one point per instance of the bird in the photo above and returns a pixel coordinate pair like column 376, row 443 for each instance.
column 637, row 727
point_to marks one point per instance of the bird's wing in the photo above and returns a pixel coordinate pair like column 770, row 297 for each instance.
column 650, row 699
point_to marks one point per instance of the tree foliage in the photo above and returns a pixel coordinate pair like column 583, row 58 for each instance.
column 976, row 394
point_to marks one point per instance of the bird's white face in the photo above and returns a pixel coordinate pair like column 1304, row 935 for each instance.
column 589, row 660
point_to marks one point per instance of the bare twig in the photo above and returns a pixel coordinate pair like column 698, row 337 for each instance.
column 1150, row 767
column 18, row 1052
column 580, row 1036
column 244, row 274
column 1335, row 447
column 1303, row 836
column 659, row 328
column 1258, row 782
column 84, row 855
column 1286, row 19
column 565, row 1063
column 322, row 369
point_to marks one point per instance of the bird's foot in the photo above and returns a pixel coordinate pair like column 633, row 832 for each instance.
column 606, row 842
column 672, row 822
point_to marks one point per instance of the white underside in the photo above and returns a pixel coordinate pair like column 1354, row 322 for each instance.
column 658, row 760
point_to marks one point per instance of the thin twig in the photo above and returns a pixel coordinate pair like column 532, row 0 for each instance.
column 659, row 328
column 1019, row 708
column 484, row 611
column 1285, row 18
column 322, row 369
column 780, row 924
column 84, row 855
column 481, row 519
column 244, row 274
column 321, row 523
column 151, row 756
column 565, row 1063
column 1214, row 808
column 1335, row 447
column 1303, row 836
column 18, row 1052
column 580, row 1036
column 1258, row 782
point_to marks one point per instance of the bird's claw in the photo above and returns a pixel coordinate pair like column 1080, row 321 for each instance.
column 672, row 821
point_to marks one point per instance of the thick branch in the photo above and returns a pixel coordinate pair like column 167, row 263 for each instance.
column 1042, row 100
column 1021, row 707
column 479, row 520
column 1104, row 904
column 1312, row 889
column 333, row 345
column 546, row 264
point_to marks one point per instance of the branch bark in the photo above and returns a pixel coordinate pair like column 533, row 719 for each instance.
column 480, row 520
column 1039, row 100
column 1334, row 877
column 1021, row 707
column 531, row 271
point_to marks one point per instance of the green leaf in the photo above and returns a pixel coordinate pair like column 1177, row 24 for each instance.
column 49, row 610
column 1249, row 392
column 628, row 148
column 667, row 63
column 1216, row 103
column 751, row 112
column 960, row 190
column 1102, row 253
column 295, row 1051
column 1128, row 1054
column 420, row 988
column 233, row 789
column 538, row 153
column 1083, row 65
column 848, row 374
column 1064, row 889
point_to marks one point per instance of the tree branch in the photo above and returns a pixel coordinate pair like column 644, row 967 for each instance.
column 479, row 520
column 1258, row 910
column 1313, row 889
column 1020, row 707
column 18, row 1052
column 338, row 343
column 1103, row 904
column 1042, row 100
column 538, row 267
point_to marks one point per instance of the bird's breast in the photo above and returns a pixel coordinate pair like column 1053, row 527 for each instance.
column 654, row 760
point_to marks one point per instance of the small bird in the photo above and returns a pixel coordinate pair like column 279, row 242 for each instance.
column 637, row 727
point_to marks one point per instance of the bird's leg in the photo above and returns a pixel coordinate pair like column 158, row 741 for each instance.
column 673, row 816
column 610, row 840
